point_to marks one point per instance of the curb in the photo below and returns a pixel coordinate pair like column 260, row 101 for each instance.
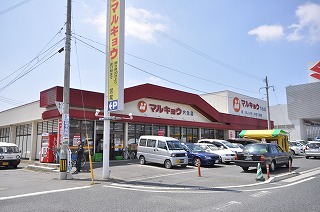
column 40, row 168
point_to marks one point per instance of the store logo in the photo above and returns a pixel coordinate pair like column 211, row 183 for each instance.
column 236, row 104
column 142, row 106
column 316, row 69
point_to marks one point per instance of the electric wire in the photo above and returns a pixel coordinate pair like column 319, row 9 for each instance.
column 31, row 69
column 10, row 101
column 194, row 50
column 80, row 82
column 194, row 76
column 91, row 46
column 14, row 7
column 24, row 67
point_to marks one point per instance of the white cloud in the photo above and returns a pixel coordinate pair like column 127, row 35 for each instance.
column 143, row 24
column 266, row 33
column 309, row 23
column 139, row 23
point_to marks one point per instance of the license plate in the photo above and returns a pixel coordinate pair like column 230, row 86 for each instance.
column 5, row 163
column 179, row 161
column 217, row 161
column 248, row 158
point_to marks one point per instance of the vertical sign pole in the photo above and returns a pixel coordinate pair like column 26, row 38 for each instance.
column 114, row 91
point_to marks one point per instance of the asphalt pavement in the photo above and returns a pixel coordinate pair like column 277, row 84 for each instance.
column 131, row 172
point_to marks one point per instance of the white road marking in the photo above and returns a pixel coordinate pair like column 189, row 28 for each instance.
column 228, row 204
column 260, row 194
column 42, row 192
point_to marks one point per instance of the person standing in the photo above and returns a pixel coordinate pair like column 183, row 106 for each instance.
column 79, row 157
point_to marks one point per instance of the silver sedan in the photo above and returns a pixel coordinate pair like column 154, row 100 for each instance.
column 312, row 149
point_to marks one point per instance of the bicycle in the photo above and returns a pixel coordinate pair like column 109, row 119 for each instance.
column 74, row 159
column 128, row 154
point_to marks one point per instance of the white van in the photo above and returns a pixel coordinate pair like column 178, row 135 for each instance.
column 9, row 154
column 162, row 150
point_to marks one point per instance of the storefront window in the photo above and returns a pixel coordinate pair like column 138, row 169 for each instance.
column 192, row 135
column 207, row 133
column 175, row 132
column 219, row 134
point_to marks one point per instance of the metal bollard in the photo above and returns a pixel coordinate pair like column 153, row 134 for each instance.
column 268, row 173
column 290, row 165
column 199, row 162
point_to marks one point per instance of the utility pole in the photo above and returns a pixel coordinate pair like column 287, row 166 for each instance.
column 268, row 107
column 66, row 98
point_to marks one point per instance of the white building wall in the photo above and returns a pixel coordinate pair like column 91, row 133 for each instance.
column 218, row 100
column 237, row 104
column 22, row 114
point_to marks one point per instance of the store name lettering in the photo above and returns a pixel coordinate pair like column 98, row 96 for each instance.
column 173, row 111
column 248, row 104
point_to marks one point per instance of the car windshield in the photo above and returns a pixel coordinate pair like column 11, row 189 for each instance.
column 314, row 145
column 255, row 148
column 174, row 145
column 9, row 149
column 212, row 147
column 230, row 145
column 195, row 148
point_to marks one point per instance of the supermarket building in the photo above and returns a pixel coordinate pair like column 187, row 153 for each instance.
column 156, row 110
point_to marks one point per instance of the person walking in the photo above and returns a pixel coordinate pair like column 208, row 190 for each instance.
column 79, row 157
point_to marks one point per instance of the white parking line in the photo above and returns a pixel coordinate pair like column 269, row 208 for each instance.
column 301, row 176
column 260, row 194
column 42, row 192
column 228, row 204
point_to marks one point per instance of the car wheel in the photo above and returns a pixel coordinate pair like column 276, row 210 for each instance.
column 307, row 157
column 292, row 152
column 142, row 160
column 167, row 164
column 272, row 166
column 245, row 168
column 195, row 161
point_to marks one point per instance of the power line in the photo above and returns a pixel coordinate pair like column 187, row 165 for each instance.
column 208, row 80
column 13, row 7
column 10, row 101
column 196, row 51
column 24, row 67
column 34, row 67
column 91, row 46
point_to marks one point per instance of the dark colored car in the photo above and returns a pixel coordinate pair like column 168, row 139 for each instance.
column 263, row 153
column 195, row 152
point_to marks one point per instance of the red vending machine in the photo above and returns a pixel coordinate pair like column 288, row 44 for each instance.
column 48, row 146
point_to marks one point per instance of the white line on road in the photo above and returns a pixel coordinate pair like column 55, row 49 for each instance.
column 260, row 194
column 42, row 192
column 228, row 204
column 301, row 176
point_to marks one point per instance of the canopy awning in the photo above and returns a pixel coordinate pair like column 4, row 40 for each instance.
column 257, row 134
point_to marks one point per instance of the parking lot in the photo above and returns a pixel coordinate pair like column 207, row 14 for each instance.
column 220, row 175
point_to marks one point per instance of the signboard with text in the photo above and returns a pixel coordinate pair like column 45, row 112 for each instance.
column 115, row 57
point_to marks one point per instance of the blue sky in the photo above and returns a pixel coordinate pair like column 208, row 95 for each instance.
column 195, row 46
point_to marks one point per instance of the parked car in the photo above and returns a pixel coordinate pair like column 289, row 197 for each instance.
column 226, row 155
column 163, row 150
column 240, row 145
column 243, row 141
column 9, row 155
column 263, row 153
column 296, row 148
column 222, row 144
column 195, row 152
column 312, row 149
